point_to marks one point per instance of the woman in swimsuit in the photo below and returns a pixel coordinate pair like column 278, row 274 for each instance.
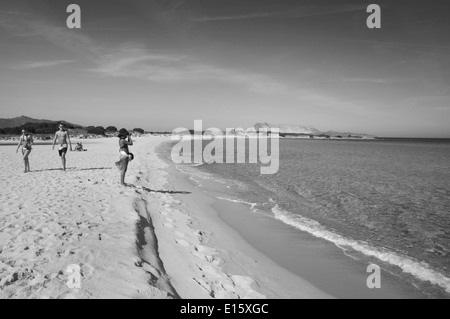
column 125, row 155
column 26, row 141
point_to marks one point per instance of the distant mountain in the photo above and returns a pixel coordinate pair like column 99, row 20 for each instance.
column 289, row 129
column 308, row 130
column 21, row 120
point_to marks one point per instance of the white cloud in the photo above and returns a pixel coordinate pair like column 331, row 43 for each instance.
column 372, row 80
column 13, row 13
column 132, row 61
column 174, row 69
column 156, row 67
column 41, row 64
column 300, row 12
column 60, row 36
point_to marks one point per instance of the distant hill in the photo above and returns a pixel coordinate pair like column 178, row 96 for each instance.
column 291, row 129
column 308, row 130
column 21, row 120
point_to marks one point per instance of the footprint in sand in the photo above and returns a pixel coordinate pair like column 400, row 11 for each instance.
column 62, row 253
column 182, row 242
column 74, row 251
column 87, row 270
column 179, row 234
column 198, row 233
column 213, row 260
column 207, row 254
column 168, row 225
column 205, row 250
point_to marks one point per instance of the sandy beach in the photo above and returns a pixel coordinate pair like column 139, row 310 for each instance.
column 80, row 234
column 143, row 241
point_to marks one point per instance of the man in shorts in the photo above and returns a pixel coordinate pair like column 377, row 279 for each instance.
column 63, row 140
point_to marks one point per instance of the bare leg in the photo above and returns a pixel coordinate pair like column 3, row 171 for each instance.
column 63, row 160
column 123, row 171
column 28, row 160
column 24, row 160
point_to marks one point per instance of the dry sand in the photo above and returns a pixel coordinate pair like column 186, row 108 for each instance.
column 154, row 239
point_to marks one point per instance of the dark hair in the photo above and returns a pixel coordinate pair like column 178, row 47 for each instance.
column 123, row 133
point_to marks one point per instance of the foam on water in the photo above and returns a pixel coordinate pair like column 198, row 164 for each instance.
column 252, row 205
column 420, row 270
column 385, row 200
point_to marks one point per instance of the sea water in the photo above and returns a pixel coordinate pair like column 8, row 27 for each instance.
column 384, row 199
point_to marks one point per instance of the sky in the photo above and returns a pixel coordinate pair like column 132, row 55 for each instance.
column 161, row 64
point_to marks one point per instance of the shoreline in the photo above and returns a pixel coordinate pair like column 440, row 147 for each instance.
column 194, row 242
column 326, row 266
column 142, row 241
column 162, row 237
column 238, row 256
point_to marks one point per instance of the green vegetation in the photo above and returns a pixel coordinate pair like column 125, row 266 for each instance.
column 139, row 130
column 111, row 129
column 46, row 128
column 49, row 128
column 98, row 130
column 34, row 128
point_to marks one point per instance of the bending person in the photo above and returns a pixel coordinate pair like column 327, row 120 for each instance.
column 26, row 141
column 63, row 139
column 125, row 155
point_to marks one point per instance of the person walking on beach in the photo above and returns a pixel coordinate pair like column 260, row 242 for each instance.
column 63, row 139
column 26, row 141
column 125, row 155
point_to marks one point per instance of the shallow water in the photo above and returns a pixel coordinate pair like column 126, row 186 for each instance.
column 384, row 199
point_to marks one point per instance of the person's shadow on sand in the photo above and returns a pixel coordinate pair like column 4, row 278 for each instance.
column 73, row 169
column 52, row 169
column 159, row 191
